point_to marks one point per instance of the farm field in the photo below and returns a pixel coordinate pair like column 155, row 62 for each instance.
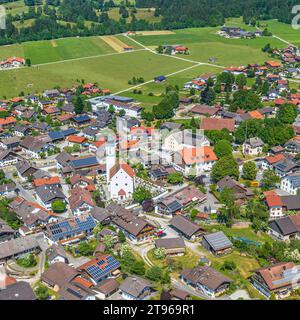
column 112, row 72
column 204, row 43
column 59, row 49
column 284, row 31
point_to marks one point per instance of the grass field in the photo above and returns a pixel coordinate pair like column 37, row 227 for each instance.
column 64, row 49
column 204, row 43
column 109, row 71
column 114, row 72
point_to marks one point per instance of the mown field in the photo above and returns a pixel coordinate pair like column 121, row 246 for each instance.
column 204, row 43
column 56, row 50
column 111, row 72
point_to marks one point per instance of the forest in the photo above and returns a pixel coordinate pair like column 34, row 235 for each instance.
column 48, row 16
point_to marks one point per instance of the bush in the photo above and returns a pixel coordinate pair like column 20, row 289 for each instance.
column 58, row 206
column 29, row 261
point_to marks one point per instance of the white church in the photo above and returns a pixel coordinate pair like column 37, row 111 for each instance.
column 120, row 176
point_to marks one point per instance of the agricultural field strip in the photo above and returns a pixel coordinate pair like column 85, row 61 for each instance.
column 175, row 57
column 168, row 75
column 78, row 59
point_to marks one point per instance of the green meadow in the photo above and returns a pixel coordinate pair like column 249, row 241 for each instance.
column 111, row 72
column 204, row 43
column 56, row 50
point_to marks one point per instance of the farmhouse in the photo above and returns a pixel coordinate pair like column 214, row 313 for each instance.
column 18, row 247
column 12, row 62
column 186, row 227
column 135, row 228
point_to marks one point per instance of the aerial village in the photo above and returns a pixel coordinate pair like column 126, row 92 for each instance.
column 94, row 207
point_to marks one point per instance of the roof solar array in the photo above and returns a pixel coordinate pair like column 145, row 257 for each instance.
column 288, row 275
column 218, row 240
column 68, row 227
column 85, row 162
column 103, row 267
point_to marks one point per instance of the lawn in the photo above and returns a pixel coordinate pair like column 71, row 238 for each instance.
column 111, row 72
column 244, row 233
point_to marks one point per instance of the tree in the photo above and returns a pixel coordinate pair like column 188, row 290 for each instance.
column 287, row 113
column 148, row 205
column 121, row 237
column 159, row 253
column 223, row 148
column 154, row 273
column 85, row 249
column 226, row 166
column 249, row 170
column 140, row 194
column 269, row 179
column 258, row 214
column 108, row 241
column 138, row 267
column 28, row 62
column 78, row 104
column 175, row 178
column 241, row 81
column 208, row 95
column 58, row 206
column 228, row 265
column 42, row 292
column 246, row 100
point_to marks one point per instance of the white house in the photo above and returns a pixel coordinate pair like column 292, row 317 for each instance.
column 194, row 161
column 291, row 183
column 275, row 206
column 178, row 140
column 253, row 146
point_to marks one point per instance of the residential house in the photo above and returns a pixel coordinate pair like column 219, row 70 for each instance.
column 206, row 279
column 239, row 191
column 56, row 253
column 106, row 288
column 34, row 146
column 8, row 158
column 291, row 183
column 10, row 143
column 20, row 291
column 279, row 279
column 136, row 288
column 70, row 230
column 286, row 228
column 101, row 267
column 81, row 201
column 135, row 228
column 46, row 194
column 101, row 215
column 194, row 161
column 25, row 169
column 253, row 146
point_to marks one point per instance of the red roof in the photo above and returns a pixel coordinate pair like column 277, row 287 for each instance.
column 46, row 181
column 274, row 201
column 255, row 114
column 197, row 155
column 75, row 139
column 122, row 192
column 274, row 159
column 273, row 64
column 126, row 167
column 8, row 120
column 83, row 282
column 280, row 101
column 217, row 124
